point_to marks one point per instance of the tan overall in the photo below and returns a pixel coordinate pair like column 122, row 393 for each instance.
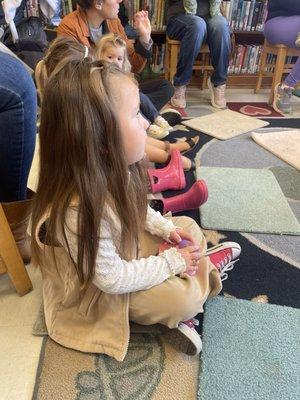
column 94, row 321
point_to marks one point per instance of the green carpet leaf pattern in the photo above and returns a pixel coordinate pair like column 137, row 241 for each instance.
column 111, row 379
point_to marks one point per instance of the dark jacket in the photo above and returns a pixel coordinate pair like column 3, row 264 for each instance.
column 283, row 8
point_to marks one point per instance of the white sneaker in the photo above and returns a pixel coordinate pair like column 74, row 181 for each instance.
column 185, row 338
column 297, row 43
column 157, row 132
column 178, row 100
column 160, row 121
column 218, row 99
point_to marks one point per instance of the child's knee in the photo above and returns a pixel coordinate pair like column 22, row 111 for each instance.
column 185, row 305
column 188, row 224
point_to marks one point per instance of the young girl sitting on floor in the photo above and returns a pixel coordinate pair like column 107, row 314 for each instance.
column 112, row 48
column 100, row 268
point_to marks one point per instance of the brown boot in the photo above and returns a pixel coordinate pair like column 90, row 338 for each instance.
column 18, row 214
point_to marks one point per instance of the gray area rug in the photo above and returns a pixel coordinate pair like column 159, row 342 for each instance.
column 243, row 152
column 255, row 202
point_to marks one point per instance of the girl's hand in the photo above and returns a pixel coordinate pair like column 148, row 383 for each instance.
column 180, row 234
column 191, row 255
column 142, row 25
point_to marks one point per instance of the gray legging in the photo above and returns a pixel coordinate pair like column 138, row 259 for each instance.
column 284, row 30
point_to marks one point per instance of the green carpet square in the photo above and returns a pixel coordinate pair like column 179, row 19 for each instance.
column 251, row 351
column 245, row 200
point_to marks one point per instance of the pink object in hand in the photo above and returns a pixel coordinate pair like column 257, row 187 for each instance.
column 184, row 243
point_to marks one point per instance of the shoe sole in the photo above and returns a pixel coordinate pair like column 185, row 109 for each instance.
column 229, row 245
column 179, row 339
column 209, row 84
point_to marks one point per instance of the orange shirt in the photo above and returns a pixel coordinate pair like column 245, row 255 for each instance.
column 75, row 25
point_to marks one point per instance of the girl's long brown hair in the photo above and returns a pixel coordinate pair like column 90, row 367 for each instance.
column 61, row 50
column 82, row 160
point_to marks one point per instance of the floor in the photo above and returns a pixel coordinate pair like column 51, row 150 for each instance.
column 19, row 349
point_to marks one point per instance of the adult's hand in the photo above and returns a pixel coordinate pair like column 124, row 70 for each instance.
column 142, row 25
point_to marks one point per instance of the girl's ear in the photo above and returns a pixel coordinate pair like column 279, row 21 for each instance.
column 98, row 4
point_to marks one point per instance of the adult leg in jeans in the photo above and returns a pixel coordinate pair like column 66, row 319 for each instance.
column 147, row 107
column 17, row 142
column 191, row 31
column 284, row 30
column 159, row 92
column 218, row 39
column 17, row 128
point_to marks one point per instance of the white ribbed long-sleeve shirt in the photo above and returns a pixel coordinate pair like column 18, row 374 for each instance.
column 116, row 275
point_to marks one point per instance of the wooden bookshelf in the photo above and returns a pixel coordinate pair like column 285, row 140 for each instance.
column 242, row 80
column 245, row 18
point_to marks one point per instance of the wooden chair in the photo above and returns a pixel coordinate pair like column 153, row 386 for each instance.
column 10, row 259
column 268, row 68
column 201, row 64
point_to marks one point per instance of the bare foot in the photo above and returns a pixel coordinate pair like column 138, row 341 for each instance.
column 186, row 163
column 184, row 146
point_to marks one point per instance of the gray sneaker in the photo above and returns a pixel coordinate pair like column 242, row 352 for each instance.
column 282, row 99
column 218, row 99
column 178, row 100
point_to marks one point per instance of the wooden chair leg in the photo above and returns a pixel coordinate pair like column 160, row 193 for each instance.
column 278, row 71
column 174, row 50
column 11, row 259
column 262, row 68
column 204, row 81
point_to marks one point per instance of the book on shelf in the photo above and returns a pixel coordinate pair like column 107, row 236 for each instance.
column 156, row 10
column 245, row 59
column 245, row 15
column 32, row 8
column 158, row 57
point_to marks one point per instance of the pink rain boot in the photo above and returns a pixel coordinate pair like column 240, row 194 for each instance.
column 170, row 177
column 193, row 198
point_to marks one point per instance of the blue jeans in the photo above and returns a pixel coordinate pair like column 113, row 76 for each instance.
column 192, row 31
column 17, row 128
column 147, row 108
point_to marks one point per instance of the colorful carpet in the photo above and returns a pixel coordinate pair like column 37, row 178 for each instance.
column 268, row 272
column 147, row 372
column 258, row 110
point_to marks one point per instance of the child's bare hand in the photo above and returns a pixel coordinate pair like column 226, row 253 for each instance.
column 191, row 255
column 180, row 234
